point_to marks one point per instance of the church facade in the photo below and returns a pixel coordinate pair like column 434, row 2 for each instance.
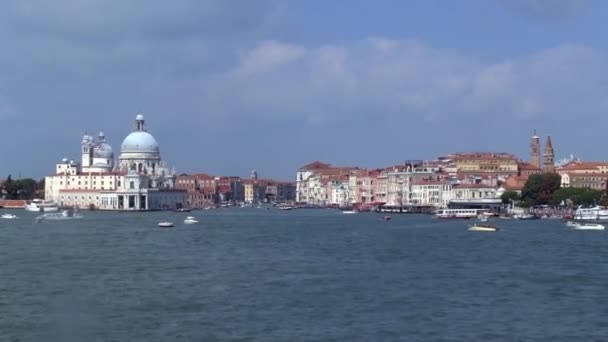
column 140, row 180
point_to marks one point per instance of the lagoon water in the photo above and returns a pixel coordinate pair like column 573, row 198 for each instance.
column 302, row 275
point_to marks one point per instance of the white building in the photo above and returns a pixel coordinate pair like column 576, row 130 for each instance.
column 141, row 181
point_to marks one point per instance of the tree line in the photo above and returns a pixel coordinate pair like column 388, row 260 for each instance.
column 545, row 189
column 21, row 189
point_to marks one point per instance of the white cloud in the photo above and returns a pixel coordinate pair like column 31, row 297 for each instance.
column 403, row 78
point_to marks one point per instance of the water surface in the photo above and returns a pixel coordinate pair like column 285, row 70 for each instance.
column 302, row 275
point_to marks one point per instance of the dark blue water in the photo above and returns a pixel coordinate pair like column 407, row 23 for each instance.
column 304, row 275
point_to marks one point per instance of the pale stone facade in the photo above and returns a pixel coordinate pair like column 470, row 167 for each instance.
column 140, row 182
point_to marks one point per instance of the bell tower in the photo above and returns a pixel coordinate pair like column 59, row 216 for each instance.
column 535, row 150
column 549, row 157
column 87, row 150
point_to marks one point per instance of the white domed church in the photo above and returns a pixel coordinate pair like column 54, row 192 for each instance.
column 140, row 180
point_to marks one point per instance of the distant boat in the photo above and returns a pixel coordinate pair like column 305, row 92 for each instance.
column 589, row 226
column 190, row 220
column 387, row 218
column 350, row 212
column 483, row 228
column 526, row 217
column 183, row 210
column 285, row 206
column 64, row 215
column 8, row 216
column 165, row 224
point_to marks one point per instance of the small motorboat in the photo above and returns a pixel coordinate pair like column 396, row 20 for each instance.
column 589, row 226
column 190, row 220
column 572, row 224
column 165, row 224
column 349, row 211
column 64, row 215
column 8, row 216
column 483, row 228
column 386, row 218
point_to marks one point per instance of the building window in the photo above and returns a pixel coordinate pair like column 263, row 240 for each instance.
column 132, row 185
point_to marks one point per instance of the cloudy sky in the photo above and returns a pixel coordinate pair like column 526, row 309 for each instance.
column 229, row 85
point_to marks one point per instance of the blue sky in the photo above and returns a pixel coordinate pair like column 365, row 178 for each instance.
column 228, row 86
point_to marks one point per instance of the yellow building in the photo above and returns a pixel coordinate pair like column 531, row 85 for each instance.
column 485, row 162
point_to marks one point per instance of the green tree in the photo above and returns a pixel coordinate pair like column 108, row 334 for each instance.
column 539, row 189
column 20, row 189
column 509, row 197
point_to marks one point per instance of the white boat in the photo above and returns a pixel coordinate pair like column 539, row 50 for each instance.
column 64, row 215
column 460, row 213
column 482, row 228
column 596, row 213
column 39, row 205
column 589, row 226
column 482, row 218
column 526, row 217
column 165, row 224
column 8, row 216
column 285, row 207
column 571, row 224
column 190, row 220
column 349, row 212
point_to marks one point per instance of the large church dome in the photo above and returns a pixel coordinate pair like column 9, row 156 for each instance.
column 139, row 141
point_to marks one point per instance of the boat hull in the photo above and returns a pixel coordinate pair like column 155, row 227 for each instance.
column 478, row 228
column 38, row 209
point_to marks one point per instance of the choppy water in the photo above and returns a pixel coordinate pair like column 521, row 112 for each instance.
column 306, row 275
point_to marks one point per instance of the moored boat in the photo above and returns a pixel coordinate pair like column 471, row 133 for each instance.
column 39, row 205
column 596, row 213
column 459, row 213
column 526, row 217
column 285, row 206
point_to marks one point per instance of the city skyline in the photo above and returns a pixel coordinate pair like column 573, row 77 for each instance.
column 272, row 85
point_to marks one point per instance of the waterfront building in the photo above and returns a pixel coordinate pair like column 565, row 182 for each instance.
column 267, row 190
column 302, row 179
column 401, row 178
column 427, row 192
column 595, row 180
column 200, row 188
column 140, row 181
column 577, row 173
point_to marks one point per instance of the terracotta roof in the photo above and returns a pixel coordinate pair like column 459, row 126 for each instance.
column 483, row 155
column 587, row 174
column 528, row 166
column 316, row 165
column 474, row 186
